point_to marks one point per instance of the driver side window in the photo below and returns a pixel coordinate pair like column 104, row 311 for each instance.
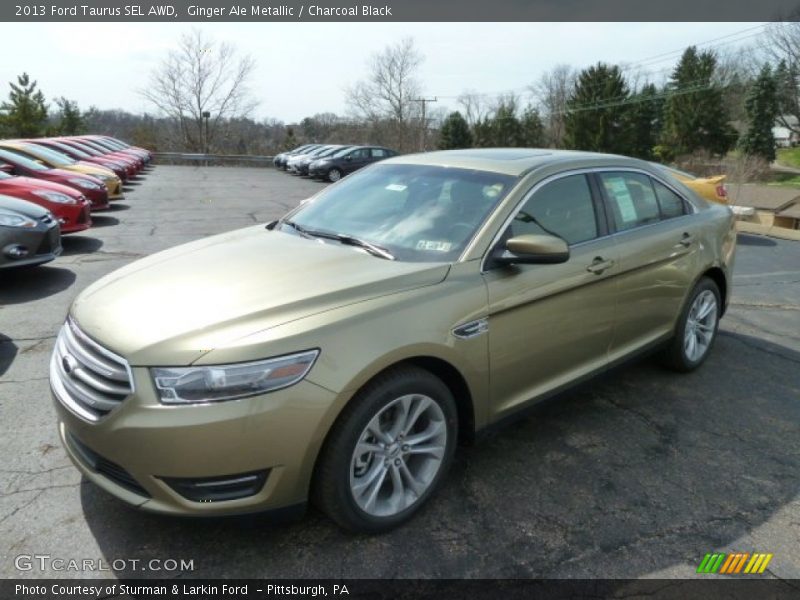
column 563, row 207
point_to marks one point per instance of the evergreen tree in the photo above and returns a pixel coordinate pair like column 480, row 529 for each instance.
column 506, row 130
column 25, row 111
column 761, row 107
column 787, row 80
column 455, row 133
column 533, row 134
column 482, row 133
column 695, row 117
column 644, row 121
column 596, row 111
column 71, row 121
column 290, row 141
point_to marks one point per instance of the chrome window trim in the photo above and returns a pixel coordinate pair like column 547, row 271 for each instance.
column 584, row 171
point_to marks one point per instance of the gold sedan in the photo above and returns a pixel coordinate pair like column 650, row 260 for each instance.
column 57, row 160
column 340, row 352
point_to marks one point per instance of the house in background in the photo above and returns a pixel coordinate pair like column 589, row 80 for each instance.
column 785, row 132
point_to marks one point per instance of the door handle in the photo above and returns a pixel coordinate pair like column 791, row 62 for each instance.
column 599, row 264
column 687, row 239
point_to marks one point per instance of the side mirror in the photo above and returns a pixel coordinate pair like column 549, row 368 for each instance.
column 348, row 157
column 533, row 250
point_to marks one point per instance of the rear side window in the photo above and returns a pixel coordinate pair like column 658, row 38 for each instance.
column 563, row 207
column 632, row 199
column 379, row 153
column 671, row 204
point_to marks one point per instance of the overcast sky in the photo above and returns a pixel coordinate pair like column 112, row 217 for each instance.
column 304, row 68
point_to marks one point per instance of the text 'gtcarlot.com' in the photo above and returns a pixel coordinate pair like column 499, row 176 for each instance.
column 46, row 562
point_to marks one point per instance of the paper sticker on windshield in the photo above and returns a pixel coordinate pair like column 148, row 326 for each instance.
column 618, row 188
column 434, row 245
column 396, row 187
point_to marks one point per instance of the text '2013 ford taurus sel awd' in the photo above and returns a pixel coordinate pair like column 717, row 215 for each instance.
column 340, row 352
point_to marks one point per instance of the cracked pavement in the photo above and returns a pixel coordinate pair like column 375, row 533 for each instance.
column 638, row 473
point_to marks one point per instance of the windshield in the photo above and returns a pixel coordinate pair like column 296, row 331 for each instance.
column 341, row 152
column 84, row 147
column 25, row 163
column 69, row 149
column 331, row 151
column 419, row 213
column 55, row 158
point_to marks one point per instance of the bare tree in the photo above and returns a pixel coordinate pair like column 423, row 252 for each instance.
column 781, row 44
column 201, row 85
column 552, row 91
column 475, row 105
column 389, row 92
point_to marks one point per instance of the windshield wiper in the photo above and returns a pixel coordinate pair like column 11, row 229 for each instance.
column 373, row 249
column 343, row 238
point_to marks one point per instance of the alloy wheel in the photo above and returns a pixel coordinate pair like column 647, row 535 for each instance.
column 398, row 455
column 701, row 323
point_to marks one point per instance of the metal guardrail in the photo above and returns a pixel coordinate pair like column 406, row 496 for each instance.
column 212, row 159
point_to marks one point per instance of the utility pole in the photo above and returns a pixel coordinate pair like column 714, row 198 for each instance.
column 424, row 132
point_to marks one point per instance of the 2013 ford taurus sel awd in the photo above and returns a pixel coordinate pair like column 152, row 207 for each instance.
column 341, row 352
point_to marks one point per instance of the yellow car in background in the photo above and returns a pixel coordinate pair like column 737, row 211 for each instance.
column 709, row 188
column 57, row 160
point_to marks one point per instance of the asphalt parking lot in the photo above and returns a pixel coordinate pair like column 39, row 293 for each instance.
column 637, row 474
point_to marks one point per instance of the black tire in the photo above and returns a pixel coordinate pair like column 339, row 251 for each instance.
column 675, row 354
column 334, row 175
column 331, row 490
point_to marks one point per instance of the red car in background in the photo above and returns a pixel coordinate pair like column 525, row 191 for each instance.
column 68, row 205
column 116, row 145
column 131, row 166
column 132, row 163
column 94, row 189
column 120, row 169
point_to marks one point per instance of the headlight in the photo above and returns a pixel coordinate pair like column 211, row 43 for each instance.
column 85, row 184
column 55, row 197
column 16, row 221
column 190, row 385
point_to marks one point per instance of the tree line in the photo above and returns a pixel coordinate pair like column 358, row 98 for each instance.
column 709, row 104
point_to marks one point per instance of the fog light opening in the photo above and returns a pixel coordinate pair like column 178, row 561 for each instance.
column 16, row 251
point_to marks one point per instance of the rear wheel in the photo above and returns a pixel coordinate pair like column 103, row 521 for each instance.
column 388, row 451
column 697, row 328
column 334, row 175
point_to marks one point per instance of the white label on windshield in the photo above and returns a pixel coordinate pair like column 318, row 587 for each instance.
column 434, row 245
column 396, row 187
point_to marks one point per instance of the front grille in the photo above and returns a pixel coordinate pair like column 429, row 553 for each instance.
column 105, row 467
column 88, row 379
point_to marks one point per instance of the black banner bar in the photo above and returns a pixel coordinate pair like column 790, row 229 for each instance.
column 706, row 588
column 398, row 10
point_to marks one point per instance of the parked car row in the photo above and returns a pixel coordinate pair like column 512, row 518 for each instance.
column 330, row 162
column 50, row 186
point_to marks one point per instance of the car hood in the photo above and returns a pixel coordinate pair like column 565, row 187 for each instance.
column 29, row 184
column 23, row 207
column 175, row 306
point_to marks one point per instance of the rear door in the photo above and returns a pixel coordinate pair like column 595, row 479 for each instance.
column 657, row 241
column 550, row 324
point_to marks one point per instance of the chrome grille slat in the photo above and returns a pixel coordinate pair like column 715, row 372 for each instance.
column 86, row 378
column 97, row 363
column 97, row 383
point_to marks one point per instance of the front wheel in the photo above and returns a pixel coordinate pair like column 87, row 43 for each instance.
column 697, row 328
column 388, row 451
column 334, row 175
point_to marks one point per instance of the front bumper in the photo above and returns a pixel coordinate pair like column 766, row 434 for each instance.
column 43, row 243
column 278, row 434
column 76, row 219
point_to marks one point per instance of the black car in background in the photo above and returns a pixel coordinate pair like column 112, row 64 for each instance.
column 281, row 159
column 29, row 234
column 301, row 165
column 346, row 160
column 291, row 164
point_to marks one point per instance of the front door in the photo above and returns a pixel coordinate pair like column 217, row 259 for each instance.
column 550, row 324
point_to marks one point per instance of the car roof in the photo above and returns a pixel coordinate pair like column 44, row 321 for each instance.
column 514, row 161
